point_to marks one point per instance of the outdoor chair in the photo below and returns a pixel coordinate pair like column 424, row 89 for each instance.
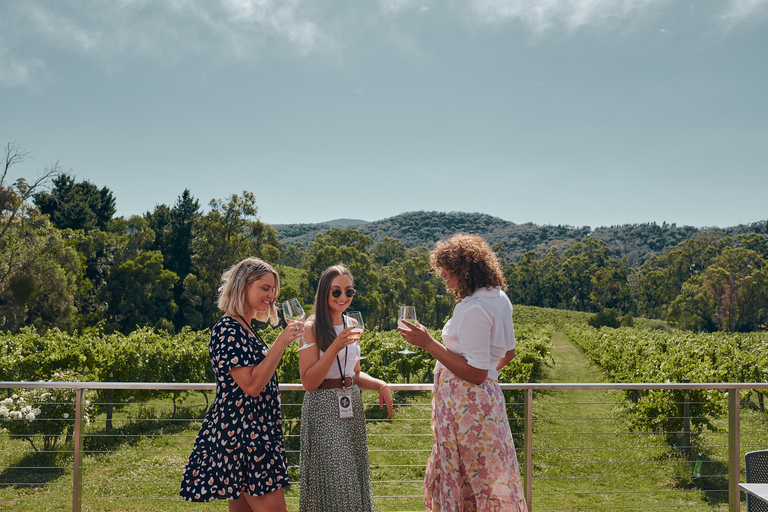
column 757, row 473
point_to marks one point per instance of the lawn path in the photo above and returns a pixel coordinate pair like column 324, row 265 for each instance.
column 585, row 457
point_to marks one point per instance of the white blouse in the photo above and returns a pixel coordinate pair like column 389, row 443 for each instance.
column 348, row 364
column 481, row 330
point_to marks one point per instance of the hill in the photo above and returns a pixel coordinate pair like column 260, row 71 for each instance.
column 636, row 242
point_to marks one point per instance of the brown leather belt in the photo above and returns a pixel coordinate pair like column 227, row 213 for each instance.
column 346, row 382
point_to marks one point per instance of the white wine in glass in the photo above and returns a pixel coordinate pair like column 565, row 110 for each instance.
column 352, row 318
column 293, row 312
column 407, row 313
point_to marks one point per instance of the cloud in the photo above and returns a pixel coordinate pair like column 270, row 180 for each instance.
column 15, row 72
column 542, row 15
column 284, row 18
column 237, row 27
column 116, row 31
column 62, row 30
column 738, row 11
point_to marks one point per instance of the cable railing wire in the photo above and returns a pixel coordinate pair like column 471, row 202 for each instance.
column 399, row 491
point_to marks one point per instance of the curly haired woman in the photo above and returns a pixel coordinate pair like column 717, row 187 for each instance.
column 473, row 465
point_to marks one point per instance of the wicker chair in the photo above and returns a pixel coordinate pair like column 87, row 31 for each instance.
column 757, row 473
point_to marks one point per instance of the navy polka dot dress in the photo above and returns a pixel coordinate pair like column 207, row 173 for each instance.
column 240, row 444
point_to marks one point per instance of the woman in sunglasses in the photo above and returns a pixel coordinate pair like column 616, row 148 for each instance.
column 335, row 475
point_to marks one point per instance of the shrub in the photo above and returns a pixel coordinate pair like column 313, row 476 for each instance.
column 607, row 318
column 49, row 413
column 658, row 325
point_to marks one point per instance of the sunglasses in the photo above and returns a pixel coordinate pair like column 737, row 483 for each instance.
column 350, row 292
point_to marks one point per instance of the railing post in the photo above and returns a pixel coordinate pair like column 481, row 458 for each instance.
column 77, row 477
column 529, row 448
column 734, row 451
column 687, row 421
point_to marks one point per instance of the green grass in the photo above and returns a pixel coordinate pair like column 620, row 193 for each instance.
column 138, row 465
column 586, row 456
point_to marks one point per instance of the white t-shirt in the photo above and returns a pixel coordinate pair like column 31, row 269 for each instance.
column 348, row 364
column 481, row 330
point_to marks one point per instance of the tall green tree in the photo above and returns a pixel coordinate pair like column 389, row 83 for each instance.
column 229, row 232
column 76, row 205
column 693, row 309
column 140, row 293
column 174, row 232
column 736, row 282
column 184, row 216
column 38, row 271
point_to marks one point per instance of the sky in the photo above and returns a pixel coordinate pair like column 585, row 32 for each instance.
column 563, row 112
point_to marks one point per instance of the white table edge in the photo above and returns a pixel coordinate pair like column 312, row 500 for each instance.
column 756, row 490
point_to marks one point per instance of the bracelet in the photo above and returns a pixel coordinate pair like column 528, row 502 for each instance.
column 383, row 386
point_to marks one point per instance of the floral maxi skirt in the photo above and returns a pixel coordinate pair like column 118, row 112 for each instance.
column 473, row 465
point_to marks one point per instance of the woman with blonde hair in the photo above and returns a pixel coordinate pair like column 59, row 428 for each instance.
column 473, row 465
column 239, row 454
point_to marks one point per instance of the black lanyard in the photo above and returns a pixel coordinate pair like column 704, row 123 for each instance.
column 343, row 377
column 249, row 327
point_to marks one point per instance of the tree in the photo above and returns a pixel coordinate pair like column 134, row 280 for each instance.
column 388, row 251
column 140, row 292
column 693, row 309
column 653, row 293
column 610, row 286
column 174, row 232
column 184, row 216
column 338, row 237
column 735, row 281
column 76, row 205
column 524, row 283
column 38, row 277
column 292, row 255
column 580, row 262
column 14, row 198
column 225, row 235
column 38, row 271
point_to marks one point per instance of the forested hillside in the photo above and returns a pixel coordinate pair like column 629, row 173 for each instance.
column 416, row 229
column 67, row 262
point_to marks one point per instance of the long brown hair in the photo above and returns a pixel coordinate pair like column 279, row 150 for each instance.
column 471, row 260
column 321, row 315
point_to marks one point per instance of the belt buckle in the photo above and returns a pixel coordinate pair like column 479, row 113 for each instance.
column 344, row 383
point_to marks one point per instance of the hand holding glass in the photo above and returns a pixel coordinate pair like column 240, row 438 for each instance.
column 350, row 319
column 293, row 312
column 408, row 314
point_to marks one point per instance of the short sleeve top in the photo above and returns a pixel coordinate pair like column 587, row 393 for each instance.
column 481, row 329
column 232, row 346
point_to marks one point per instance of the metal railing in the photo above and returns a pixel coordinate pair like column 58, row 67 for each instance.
column 394, row 483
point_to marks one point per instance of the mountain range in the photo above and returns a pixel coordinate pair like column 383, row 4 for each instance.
column 636, row 242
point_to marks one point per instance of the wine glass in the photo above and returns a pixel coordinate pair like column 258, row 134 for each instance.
column 293, row 312
column 351, row 318
column 407, row 313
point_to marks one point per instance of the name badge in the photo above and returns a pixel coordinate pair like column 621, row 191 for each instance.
column 345, row 406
